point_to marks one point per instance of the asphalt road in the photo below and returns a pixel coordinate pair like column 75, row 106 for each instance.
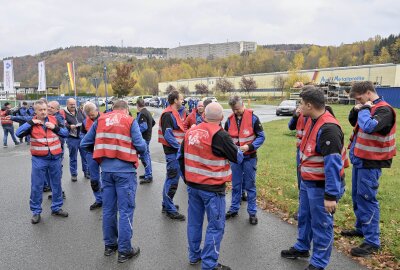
column 76, row 242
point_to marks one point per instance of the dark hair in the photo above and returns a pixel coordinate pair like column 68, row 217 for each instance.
column 172, row 96
column 330, row 110
column 234, row 100
column 140, row 102
column 312, row 95
column 207, row 102
column 24, row 103
column 360, row 88
column 7, row 103
column 120, row 105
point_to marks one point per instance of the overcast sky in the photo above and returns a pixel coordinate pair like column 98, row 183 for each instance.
column 30, row 27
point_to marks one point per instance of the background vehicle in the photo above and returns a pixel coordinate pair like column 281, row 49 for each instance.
column 214, row 99
column 287, row 107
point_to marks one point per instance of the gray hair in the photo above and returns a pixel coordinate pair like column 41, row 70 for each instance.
column 214, row 112
column 120, row 105
column 233, row 100
column 39, row 103
column 88, row 107
column 56, row 105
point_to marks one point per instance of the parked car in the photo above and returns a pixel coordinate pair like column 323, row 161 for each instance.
column 154, row 102
column 287, row 107
column 213, row 99
column 147, row 101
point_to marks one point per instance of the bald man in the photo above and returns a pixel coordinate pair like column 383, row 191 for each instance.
column 73, row 121
column 195, row 117
column 204, row 161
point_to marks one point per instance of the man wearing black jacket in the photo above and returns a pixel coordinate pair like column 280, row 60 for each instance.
column 204, row 161
column 146, row 123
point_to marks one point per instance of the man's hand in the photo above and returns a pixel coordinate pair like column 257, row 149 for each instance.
column 244, row 148
column 72, row 126
column 358, row 107
column 8, row 117
column 37, row 121
column 330, row 206
column 298, row 111
column 50, row 125
column 369, row 104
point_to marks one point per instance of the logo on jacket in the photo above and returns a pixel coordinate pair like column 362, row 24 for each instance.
column 196, row 135
column 308, row 148
column 246, row 132
column 112, row 121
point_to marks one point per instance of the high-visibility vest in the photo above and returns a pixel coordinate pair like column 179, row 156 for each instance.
column 375, row 146
column 89, row 122
column 191, row 119
column 245, row 133
column 300, row 125
column 3, row 114
column 311, row 162
column 201, row 165
column 44, row 140
column 113, row 138
column 178, row 133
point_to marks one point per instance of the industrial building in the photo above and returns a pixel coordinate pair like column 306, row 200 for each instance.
column 211, row 51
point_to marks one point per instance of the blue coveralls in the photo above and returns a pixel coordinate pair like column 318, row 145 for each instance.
column 23, row 112
column 173, row 171
column 365, row 183
column 41, row 166
column 119, row 190
column 145, row 158
column 314, row 222
column 244, row 175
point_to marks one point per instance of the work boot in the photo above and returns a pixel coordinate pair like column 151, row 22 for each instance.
column 253, row 220
column 293, row 253
column 5, row 146
column 312, row 267
column 296, row 215
column 28, row 143
column 222, row 267
column 230, row 214
column 197, row 261
column 96, row 205
column 123, row 257
column 164, row 211
column 141, row 176
column 110, row 250
column 244, row 197
column 46, row 189
column 51, row 196
column 74, row 178
column 17, row 143
column 35, row 218
column 86, row 175
column 351, row 233
column 363, row 250
column 176, row 215
column 146, row 180
column 60, row 213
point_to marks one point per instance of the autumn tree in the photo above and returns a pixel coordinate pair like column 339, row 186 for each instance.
column 279, row 83
column 247, row 84
column 184, row 90
column 122, row 82
column 148, row 80
column 224, row 85
column 169, row 89
column 201, row 89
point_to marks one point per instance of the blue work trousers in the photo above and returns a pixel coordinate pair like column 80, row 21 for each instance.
column 9, row 129
column 314, row 224
column 73, row 147
column 365, row 183
column 146, row 161
column 95, row 181
column 41, row 166
column 119, row 190
column 244, row 172
column 171, row 183
column 213, row 204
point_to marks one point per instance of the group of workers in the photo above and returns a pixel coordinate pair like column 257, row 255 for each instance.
column 207, row 155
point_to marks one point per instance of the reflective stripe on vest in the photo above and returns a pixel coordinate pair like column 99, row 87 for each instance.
column 46, row 148
column 44, row 140
column 206, row 161
column 245, row 133
column 208, row 173
column 114, row 136
column 115, row 148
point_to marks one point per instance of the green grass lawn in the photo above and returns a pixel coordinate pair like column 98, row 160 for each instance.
column 277, row 182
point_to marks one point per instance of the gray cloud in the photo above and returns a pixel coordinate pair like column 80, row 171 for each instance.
column 30, row 27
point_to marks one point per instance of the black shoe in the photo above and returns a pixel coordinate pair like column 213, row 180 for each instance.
column 95, row 206
column 363, row 250
column 35, row 219
column 141, row 176
column 123, row 257
column 17, row 143
column 351, row 233
column 164, row 211
column 253, row 220
column 28, row 143
column 46, row 189
column 86, row 175
column 74, row 178
column 230, row 214
column 176, row 216
column 244, row 197
column 60, row 213
column 222, row 267
column 293, row 253
column 195, row 262
column 110, row 250
column 146, row 180
column 51, row 196
column 312, row 267
column 296, row 215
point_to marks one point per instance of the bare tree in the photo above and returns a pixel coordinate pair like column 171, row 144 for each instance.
column 247, row 84
column 201, row 89
column 224, row 85
column 169, row 89
column 184, row 90
column 279, row 83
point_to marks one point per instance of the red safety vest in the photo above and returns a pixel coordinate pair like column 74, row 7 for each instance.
column 89, row 122
column 245, row 134
column 311, row 162
column 3, row 114
column 45, row 140
column 201, row 165
column 113, row 138
column 300, row 125
column 375, row 146
column 178, row 133
column 190, row 120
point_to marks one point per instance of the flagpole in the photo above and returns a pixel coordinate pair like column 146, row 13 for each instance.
column 73, row 70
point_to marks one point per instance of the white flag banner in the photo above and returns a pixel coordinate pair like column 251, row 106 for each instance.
column 8, row 79
column 42, row 76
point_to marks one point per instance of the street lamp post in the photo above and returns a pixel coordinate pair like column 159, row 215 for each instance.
column 96, row 85
column 105, row 84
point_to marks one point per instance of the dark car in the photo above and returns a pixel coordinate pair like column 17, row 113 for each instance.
column 287, row 107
